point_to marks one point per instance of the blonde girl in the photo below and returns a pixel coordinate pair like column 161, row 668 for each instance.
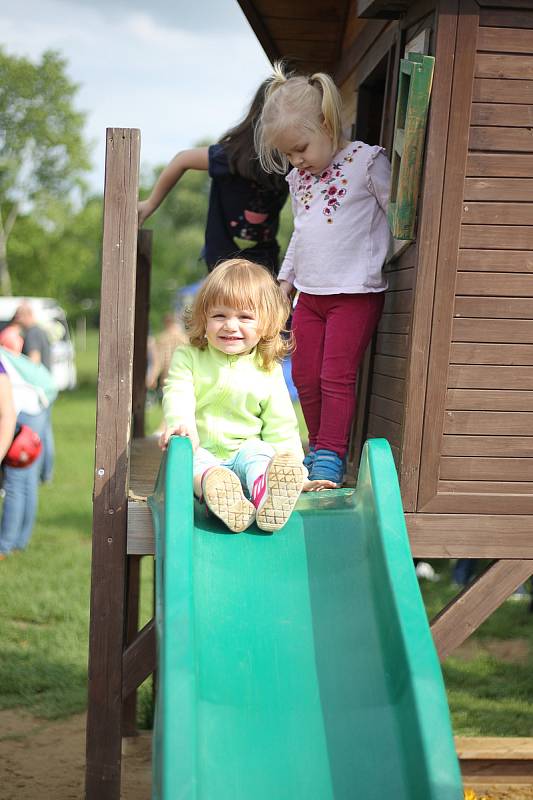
column 339, row 191
column 226, row 392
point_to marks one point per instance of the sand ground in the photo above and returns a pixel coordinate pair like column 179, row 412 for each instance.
column 44, row 760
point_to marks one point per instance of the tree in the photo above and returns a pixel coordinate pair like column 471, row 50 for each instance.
column 60, row 261
column 42, row 151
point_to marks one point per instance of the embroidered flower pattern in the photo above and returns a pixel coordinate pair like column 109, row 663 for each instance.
column 333, row 181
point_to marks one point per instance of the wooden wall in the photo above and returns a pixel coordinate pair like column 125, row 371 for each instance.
column 382, row 390
column 391, row 350
column 477, row 452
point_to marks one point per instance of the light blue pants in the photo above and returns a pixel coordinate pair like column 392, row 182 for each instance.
column 248, row 463
column 21, row 488
column 47, row 460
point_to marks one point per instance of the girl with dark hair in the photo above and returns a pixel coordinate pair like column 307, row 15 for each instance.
column 244, row 202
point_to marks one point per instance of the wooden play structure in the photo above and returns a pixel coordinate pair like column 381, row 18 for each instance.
column 449, row 379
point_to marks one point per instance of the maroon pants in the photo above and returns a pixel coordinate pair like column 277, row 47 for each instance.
column 332, row 333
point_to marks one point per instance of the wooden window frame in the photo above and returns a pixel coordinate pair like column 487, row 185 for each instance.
column 414, row 89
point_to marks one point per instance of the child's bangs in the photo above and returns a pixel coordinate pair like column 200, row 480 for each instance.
column 241, row 293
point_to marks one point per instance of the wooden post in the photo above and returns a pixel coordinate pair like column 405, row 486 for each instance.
column 142, row 309
column 133, row 573
column 113, row 421
column 474, row 604
column 133, row 586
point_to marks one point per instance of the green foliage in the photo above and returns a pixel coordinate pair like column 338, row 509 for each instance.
column 489, row 693
column 43, row 155
column 42, row 152
column 63, row 262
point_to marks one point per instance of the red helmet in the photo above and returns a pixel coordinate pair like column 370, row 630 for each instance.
column 25, row 448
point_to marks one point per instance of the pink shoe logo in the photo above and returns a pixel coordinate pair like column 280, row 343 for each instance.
column 258, row 490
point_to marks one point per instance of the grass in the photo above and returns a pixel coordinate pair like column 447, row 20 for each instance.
column 44, row 614
column 488, row 696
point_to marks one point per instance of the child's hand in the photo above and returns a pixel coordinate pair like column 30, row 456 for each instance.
column 144, row 211
column 318, row 486
column 179, row 430
column 287, row 288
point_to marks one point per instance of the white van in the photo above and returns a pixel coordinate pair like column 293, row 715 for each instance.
column 52, row 318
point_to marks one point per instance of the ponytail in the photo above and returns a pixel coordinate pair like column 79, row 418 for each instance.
column 296, row 101
column 331, row 105
column 278, row 79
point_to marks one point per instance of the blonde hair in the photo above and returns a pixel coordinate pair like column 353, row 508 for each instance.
column 299, row 101
column 241, row 284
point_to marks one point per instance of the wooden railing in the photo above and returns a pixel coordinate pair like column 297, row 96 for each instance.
column 119, row 657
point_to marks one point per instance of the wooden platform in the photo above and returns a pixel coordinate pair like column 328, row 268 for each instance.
column 145, row 458
column 495, row 760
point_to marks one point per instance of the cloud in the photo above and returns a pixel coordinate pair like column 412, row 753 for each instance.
column 177, row 84
column 201, row 16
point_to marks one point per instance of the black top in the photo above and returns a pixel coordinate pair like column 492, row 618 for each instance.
column 36, row 339
column 241, row 208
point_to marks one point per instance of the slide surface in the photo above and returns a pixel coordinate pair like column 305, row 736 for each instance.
column 297, row 665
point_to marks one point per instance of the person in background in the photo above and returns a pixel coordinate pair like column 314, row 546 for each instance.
column 37, row 347
column 172, row 335
column 244, row 201
column 11, row 337
column 8, row 415
column 19, row 403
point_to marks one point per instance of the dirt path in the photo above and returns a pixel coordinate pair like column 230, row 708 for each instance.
column 41, row 760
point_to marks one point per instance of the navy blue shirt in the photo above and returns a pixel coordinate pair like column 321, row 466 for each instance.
column 239, row 207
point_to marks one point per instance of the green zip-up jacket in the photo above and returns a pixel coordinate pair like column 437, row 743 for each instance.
column 231, row 400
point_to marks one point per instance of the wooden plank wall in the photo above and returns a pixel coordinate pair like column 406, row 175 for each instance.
column 487, row 443
column 387, row 390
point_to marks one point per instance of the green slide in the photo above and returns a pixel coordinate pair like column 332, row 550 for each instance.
column 297, row 665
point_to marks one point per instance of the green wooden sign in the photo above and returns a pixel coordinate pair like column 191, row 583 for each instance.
column 416, row 75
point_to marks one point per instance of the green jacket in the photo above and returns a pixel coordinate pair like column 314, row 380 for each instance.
column 231, row 399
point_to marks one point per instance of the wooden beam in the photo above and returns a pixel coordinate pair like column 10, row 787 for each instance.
column 133, row 586
column 142, row 309
column 258, row 26
column 466, row 612
column 495, row 760
column 450, row 228
column 139, row 660
column 428, row 240
column 382, row 9
column 454, row 535
column 359, row 47
column 140, row 530
column 114, row 404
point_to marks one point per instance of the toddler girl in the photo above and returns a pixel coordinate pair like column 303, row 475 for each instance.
column 339, row 191
column 226, row 391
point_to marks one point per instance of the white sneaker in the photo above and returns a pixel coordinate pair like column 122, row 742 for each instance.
column 276, row 492
column 223, row 495
column 426, row 571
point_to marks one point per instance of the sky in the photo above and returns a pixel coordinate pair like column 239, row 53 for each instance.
column 180, row 70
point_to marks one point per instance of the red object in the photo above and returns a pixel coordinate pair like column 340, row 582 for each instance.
column 25, row 448
column 11, row 339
